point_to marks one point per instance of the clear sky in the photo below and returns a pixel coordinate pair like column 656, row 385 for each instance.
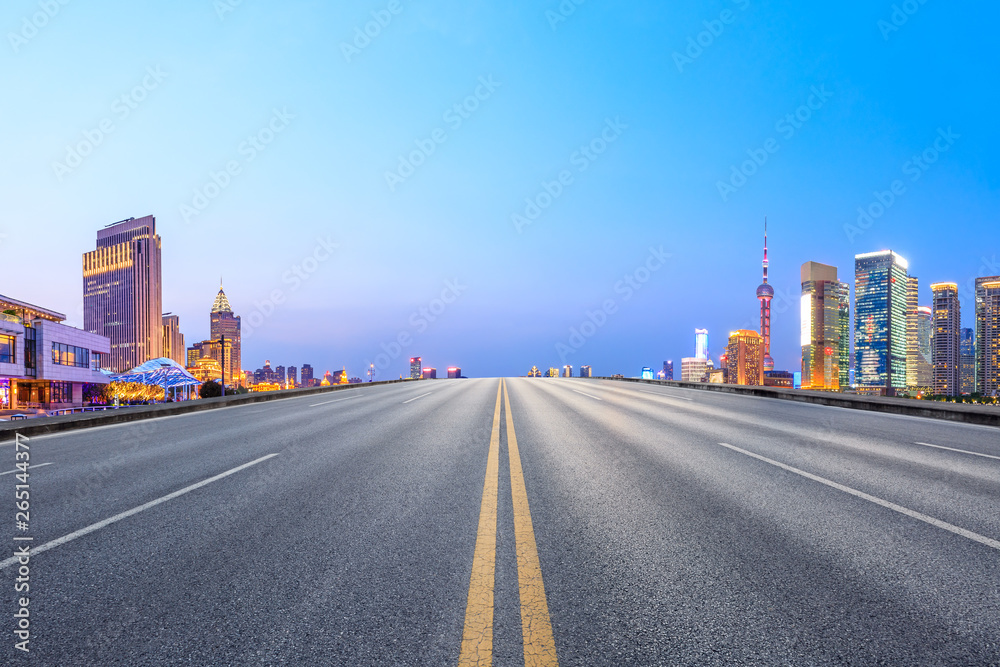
column 667, row 98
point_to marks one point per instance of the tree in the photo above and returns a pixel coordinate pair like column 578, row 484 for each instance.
column 210, row 389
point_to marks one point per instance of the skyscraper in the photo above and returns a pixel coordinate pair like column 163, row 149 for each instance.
column 415, row 364
column 293, row 375
column 947, row 349
column 925, row 340
column 912, row 346
column 701, row 344
column 668, row 370
column 173, row 339
column 307, row 375
column 967, row 354
column 693, row 369
column 988, row 336
column 745, row 358
column 122, row 293
column 279, row 374
column 222, row 322
column 764, row 294
column 880, row 284
column 585, row 371
column 825, row 312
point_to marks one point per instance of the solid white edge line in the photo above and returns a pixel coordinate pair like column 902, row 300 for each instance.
column 586, row 394
column 337, row 400
column 656, row 393
column 418, row 397
column 37, row 465
column 975, row 537
column 124, row 515
column 960, row 451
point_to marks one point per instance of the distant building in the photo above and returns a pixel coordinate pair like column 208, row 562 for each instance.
column 454, row 373
column 429, row 373
column 279, row 375
column 122, row 292
column 222, row 322
column 221, row 353
column 307, row 375
column 567, row 371
column 745, row 358
column 534, row 372
column 779, row 379
column 205, row 369
column 880, row 286
column 585, row 372
column 267, row 374
column 825, row 313
column 293, row 376
column 717, row 376
column 967, row 354
column 701, row 344
column 668, row 370
column 947, row 349
column 912, row 333
column 193, row 355
column 45, row 364
column 693, row 369
column 647, row 373
column 765, row 293
column 552, row 373
column 988, row 336
column 925, row 339
column 415, row 372
column 173, row 339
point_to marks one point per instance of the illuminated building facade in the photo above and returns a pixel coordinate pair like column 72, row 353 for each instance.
column 967, row 363
column 567, row 371
column 668, row 370
column 429, row 373
column 764, row 294
column 880, row 285
column 122, row 292
column 586, row 372
column 912, row 332
column 988, row 336
column 693, row 369
column 223, row 323
column 173, row 339
column 825, row 324
column 205, row 369
column 925, row 340
column 293, row 376
column 947, row 349
column 647, row 373
column 701, row 344
column 454, row 373
column 415, row 368
column 745, row 358
column 307, row 375
column 552, row 373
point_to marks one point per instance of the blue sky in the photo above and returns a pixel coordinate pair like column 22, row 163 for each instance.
column 199, row 81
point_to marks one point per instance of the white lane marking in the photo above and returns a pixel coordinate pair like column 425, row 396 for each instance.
column 418, row 397
column 961, row 451
column 590, row 395
column 141, row 508
column 656, row 393
column 314, row 405
column 37, row 465
column 975, row 537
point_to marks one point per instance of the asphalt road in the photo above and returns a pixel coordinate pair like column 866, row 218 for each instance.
column 653, row 526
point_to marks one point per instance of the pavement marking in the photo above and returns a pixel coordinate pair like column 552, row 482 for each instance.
column 477, row 636
column 418, row 397
column 315, row 405
column 124, row 515
column 590, row 395
column 961, row 451
column 975, row 537
column 536, row 626
column 39, row 465
column 656, row 393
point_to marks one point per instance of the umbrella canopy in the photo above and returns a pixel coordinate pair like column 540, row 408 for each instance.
column 161, row 372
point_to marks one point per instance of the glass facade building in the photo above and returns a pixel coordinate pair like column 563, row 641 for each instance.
column 946, row 348
column 825, row 334
column 745, row 358
column 967, row 354
column 988, row 336
column 222, row 322
column 880, row 288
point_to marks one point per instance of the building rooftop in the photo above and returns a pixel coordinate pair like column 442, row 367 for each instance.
column 28, row 311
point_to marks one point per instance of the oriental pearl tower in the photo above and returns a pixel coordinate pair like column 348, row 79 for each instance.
column 765, row 293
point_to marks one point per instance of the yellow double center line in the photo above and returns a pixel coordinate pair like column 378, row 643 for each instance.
column 536, row 628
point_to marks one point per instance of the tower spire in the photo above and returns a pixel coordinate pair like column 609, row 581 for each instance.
column 765, row 249
column 764, row 294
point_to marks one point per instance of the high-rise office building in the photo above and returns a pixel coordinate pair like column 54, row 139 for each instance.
column 293, row 375
column 429, row 373
column 567, row 371
column 925, row 340
column 880, row 284
column 173, row 339
column 668, row 370
column 222, row 322
column 988, row 336
column 122, row 293
column 279, row 374
column 764, row 294
column 701, row 344
column 455, row 373
column 415, row 365
column 193, row 355
column 745, row 358
column 693, row 369
column 947, row 349
column 307, row 375
column 825, row 312
column 585, row 372
column 912, row 346
column 967, row 356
